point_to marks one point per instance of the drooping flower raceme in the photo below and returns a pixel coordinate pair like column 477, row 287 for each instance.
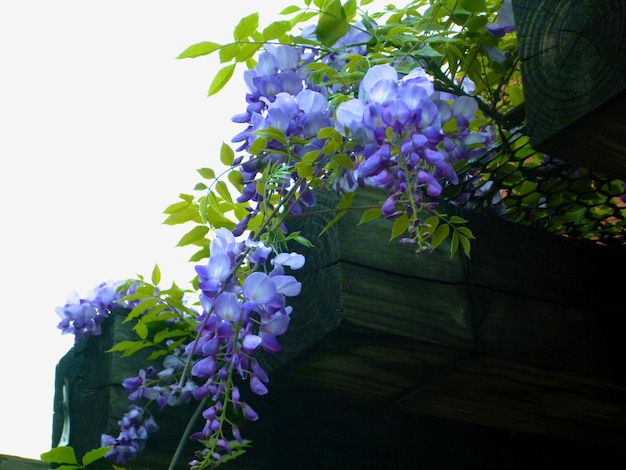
column 411, row 136
column 135, row 426
column 84, row 316
column 243, row 291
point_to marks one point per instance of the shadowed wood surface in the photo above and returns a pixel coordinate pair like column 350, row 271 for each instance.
column 511, row 359
column 573, row 57
column 10, row 462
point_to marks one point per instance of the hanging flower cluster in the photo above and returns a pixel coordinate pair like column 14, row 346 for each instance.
column 411, row 136
column 84, row 316
column 238, row 320
column 280, row 96
column 135, row 426
column 244, row 310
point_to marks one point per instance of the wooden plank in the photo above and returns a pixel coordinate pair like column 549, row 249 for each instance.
column 372, row 366
column 527, row 262
column 422, row 309
column 573, row 57
column 387, row 372
column 10, row 462
column 508, row 395
column 369, row 245
column 97, row 399
column 308, row 427
column 595, row 140
column 551, row 336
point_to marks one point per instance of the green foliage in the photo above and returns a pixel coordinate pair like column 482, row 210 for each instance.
column 332, row 24
column 64, row 457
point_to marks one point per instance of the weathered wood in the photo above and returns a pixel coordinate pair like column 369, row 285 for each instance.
column 573, row 58
column 10, row 462
column 97, row 399
column 365, row 399
column 595, row 141
column 317, row 310
column 524, row 337
column 390, row 372
column 405, row 306
column 504, row 394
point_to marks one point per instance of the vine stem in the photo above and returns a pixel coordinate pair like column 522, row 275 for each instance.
column 187, row 433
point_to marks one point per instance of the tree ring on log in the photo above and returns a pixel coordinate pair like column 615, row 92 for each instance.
column 573, row 59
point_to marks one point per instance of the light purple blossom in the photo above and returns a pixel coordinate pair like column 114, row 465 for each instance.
column 505, row 22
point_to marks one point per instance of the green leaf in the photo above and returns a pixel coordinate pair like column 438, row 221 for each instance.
column 305, row 169
column 206, row 173
column 466, row 232
column 346, row 201
column 246, row 51
column 189, row 214
column 272, row 133
column 259, row 144
column 222, row 190
column 430, row 224
column 335, row 219
column 289, row 10
column 217, row 218
column 236, row 179
column 229, row 52
column 176, row 207
column 95, row 454
column 200, row 49
column 343, row 160
column 455, row 244
column 157, row 354
column 465, row 244
column 455, row 219
column 428, row 52
column 276, row 29
column 440, row 235
column 194, row 235
column 156, row 275
column 246, row 27
column 61, row 455
column 221, row 78
column 332, row 24
column 473, row 5
column 370, row 214
column 141, row 329
column 227, row 154
column 350, row 8
column 400, row 225
column 129, row 347
column 141, row 307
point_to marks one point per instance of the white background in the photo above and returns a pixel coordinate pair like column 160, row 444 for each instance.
column 100, row 130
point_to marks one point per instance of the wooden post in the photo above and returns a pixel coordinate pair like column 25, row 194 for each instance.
column 573, row 56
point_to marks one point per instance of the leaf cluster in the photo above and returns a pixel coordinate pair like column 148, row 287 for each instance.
column 64, row 458
column 161, row 318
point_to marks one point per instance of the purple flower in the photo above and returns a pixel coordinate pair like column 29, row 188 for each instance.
column 505, row 22
column 258, row 288
column 291, row 260
column 248, row 412
column 135, row 426
column 227, row 307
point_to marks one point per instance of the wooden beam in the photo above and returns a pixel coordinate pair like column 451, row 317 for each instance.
column 11, row 462
column 573, row 57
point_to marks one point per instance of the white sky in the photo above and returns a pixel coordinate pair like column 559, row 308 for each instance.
column 100, row 129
